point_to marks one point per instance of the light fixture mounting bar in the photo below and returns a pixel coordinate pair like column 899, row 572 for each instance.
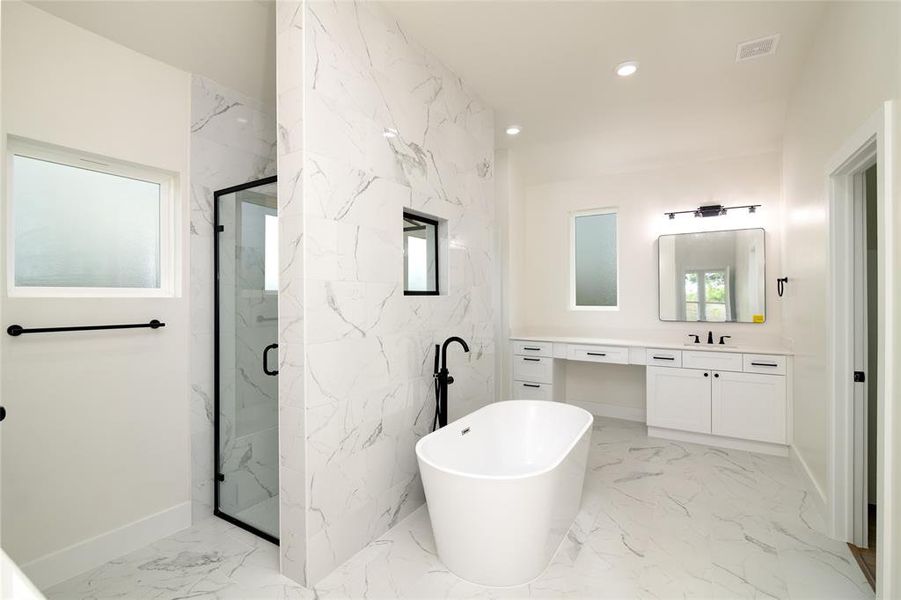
column 711, row 210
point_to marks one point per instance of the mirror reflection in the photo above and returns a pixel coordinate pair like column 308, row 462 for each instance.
column 716, row 276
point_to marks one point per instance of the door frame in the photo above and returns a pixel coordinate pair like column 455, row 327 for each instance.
column 871, row 143
column 216, row 399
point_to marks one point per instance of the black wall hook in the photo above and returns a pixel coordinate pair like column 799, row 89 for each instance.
column 780, row 285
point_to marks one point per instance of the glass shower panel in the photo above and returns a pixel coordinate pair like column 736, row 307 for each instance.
column 247, row 357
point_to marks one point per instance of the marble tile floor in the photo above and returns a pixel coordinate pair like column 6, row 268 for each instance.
column 659, row 519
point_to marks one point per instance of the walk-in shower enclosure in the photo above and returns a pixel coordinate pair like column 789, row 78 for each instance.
column 246, row 356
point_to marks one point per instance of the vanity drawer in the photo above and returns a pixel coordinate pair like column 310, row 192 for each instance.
column 764, row 363
column 664, row 358
column 603, row 354
column 533, row 348
column 718, row 361
column 530, row 390
column 538, row 369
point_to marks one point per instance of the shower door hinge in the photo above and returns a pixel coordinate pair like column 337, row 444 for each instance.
column 220, row 228
column 860, row 377
column 220, row 477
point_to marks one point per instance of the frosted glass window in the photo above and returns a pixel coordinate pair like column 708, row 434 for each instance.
column 83, row 228
column 594, row 260
column 270, row 265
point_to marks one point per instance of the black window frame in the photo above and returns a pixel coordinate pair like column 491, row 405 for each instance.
column 435, row 223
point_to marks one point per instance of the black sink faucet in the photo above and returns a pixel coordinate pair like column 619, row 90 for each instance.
column 709, row 337
column 444, row 378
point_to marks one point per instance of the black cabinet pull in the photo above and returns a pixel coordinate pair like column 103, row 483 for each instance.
column 531, row 385
column 706, row 374
column 664, row 358
column 596, row 353
column 266, row 369
column 531, row 359
column 532, row 348
column 716, row 374
column 757, row 364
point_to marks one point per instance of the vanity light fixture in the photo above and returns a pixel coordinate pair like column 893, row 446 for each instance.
column 627, row 68
column 513, row 130
column 711, row 210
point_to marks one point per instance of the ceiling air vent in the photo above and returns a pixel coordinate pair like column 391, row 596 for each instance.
column 757, row 48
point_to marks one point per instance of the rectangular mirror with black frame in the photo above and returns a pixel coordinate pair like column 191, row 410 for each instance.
column 713, row 276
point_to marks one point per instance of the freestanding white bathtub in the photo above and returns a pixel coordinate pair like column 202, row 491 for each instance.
column 503, row 486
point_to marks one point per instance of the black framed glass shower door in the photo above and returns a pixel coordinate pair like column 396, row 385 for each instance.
column 246, row 356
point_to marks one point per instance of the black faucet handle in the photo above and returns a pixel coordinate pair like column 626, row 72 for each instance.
column 696, row 337
column 723, row 339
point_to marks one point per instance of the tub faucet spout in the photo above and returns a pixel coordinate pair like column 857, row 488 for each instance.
column 444, row 379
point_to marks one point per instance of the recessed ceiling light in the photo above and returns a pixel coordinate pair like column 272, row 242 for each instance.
column 513, row 130
column 627, row 68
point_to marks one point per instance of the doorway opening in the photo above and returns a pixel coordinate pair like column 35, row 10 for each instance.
column 858, row 280
column 246, row 357
column 866, row 375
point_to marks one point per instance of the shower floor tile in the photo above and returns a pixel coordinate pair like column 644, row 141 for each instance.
column 659, row 519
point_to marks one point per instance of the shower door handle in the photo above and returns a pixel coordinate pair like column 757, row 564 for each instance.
column 266, row 360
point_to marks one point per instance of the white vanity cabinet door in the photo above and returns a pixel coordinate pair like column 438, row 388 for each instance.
column 678, row 398
column 749, row 406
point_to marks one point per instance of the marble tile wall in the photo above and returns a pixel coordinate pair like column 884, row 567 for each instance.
column 386, row 127
column 291, row 419
column 233, row 141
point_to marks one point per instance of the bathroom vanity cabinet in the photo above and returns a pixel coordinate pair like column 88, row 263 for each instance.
column 716, row 396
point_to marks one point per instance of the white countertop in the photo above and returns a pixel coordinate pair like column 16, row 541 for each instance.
column 703, row 347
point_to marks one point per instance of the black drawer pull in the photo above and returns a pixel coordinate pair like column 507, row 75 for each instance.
column 531, row 359
column 664, row 358
column 532, row 348
column 534, row 385
column 596, row 353
column 757, row 364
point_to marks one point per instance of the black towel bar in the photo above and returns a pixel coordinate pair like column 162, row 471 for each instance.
column 16, row 330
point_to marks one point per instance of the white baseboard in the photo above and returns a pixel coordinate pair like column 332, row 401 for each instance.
column 718, row 441
column 615, row 411
column 817, row 496
column 56, row 567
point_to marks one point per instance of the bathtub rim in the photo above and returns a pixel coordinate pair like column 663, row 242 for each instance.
column 569, row 448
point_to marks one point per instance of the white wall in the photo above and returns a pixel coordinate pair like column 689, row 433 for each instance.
column 852, row 69
column 97, row 435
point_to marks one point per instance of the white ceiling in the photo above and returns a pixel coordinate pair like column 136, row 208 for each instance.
column 229, row 41
column 548, row 66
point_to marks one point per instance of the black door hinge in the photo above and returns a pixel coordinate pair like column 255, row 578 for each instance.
column 220, row 477
column 859, row 377
column 220, row 228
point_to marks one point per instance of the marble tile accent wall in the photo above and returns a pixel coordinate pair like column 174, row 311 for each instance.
column 291, row 432
column 386, row 127
column 233, row 141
